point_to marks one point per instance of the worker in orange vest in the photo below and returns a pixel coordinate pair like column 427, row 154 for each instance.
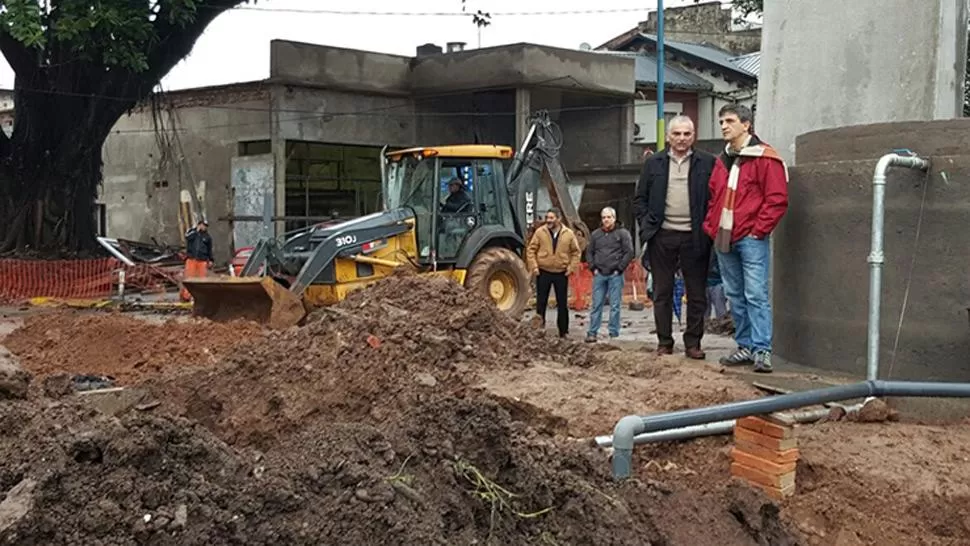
column 198, row 247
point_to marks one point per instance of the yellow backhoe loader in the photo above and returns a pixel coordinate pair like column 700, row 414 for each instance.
column 477, row 239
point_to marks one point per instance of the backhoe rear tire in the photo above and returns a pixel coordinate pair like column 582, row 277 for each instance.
column 500, row 275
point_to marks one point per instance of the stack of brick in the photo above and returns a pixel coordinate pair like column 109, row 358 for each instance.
column 765, row 453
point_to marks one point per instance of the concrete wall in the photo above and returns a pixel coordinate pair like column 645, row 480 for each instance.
column 820, row 274
column 324, row 115
column 143, row 174
column 596, row 130
column 339, row 68
column 522, row 65
column 873, row 61
column 482, row 117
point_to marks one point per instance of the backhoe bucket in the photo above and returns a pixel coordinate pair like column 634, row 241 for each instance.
column 260, row 299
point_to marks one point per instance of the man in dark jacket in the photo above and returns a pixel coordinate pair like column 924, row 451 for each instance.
column 609, row 252
column 458, row 199
column 671, row 204
column 198, row 250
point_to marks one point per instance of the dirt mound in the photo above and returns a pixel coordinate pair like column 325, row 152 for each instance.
column 449, row 471
column 375, row 354
column 878, row 483
column 124, row 347
column 438, row 322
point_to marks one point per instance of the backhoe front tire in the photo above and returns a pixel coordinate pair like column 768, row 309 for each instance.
column 500, row 275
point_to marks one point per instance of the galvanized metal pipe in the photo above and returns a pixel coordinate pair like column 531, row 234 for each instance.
column 716, row 428
column 876, row 256
column 108, row 245
column 629, row 427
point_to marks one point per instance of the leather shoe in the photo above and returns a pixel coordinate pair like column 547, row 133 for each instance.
column 695, row 353
column 664, row 350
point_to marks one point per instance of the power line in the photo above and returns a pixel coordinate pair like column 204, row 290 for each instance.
column 543, row 13
column 375, row 13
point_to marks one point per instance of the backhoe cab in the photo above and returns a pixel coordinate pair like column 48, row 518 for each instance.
column 463, row 212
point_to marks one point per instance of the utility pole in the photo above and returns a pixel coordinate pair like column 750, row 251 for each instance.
column 661, row 129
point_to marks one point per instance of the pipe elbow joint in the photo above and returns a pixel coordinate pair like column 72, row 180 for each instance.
column 626, row 429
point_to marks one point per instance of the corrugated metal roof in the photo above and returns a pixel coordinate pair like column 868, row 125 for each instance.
column 674, row 77
column 709, row 54
column 646, row 71
column 750, row 63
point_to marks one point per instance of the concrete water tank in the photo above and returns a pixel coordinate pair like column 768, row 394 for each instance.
column 821, row 275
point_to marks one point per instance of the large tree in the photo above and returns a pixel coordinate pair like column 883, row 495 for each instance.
column 80, row 65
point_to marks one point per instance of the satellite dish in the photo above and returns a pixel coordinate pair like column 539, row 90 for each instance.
column 585, row 47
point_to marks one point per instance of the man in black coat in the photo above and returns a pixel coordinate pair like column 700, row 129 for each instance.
column 671, row 203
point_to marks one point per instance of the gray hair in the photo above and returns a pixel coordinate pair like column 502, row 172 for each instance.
column 610, row 210
column 743, row 112
column 681, row 119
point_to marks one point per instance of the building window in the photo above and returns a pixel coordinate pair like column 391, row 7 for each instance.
column 254, row 147
column 330, row 180
column 101, row 219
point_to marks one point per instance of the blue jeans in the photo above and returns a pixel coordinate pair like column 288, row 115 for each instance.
column 606, row 286
column 745, row 271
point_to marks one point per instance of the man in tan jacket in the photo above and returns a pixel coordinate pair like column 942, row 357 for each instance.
column 553, row 254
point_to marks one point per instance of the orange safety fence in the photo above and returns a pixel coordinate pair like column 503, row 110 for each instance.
column 80, row 279
column 581, row 286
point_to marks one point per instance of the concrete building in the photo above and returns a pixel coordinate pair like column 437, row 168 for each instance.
column 310, row 135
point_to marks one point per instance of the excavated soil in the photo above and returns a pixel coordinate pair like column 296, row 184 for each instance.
column 375, row 354
column 414, row 413
column 120, row 346
column 883, row 483
column 449, row 471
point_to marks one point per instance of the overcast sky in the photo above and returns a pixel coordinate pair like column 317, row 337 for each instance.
column 236, row 46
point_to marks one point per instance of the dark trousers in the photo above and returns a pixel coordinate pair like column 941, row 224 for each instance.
column 560, row 283
column 670, row 251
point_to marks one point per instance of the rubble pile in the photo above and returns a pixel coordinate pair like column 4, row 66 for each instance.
column 383, row 349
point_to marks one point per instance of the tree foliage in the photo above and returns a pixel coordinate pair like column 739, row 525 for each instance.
column 744, row 8
column 79, row 66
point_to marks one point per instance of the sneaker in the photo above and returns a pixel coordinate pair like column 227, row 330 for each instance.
column 590, row 338
column 741, row 357
column 762, row 362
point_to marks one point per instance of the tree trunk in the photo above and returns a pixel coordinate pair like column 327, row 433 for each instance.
column 52, row 171
column 66, row 104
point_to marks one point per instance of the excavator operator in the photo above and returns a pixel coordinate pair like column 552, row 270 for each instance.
column 458, row 199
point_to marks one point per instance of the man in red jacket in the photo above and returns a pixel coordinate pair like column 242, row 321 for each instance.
column 749, row 196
